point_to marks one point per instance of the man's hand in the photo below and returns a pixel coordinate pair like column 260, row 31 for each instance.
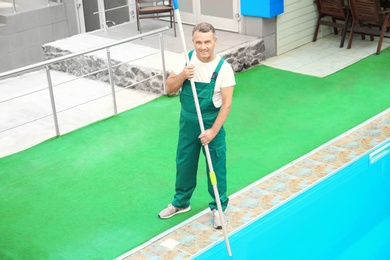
column 188, row 72
column 207, row 136
column 174, row 82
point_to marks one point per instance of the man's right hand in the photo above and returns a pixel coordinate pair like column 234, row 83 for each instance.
column 188, row 72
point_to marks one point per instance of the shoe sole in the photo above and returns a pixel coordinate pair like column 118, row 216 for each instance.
column 181, row 211
column 220, row 227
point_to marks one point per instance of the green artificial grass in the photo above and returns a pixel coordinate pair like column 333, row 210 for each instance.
column 95, row 193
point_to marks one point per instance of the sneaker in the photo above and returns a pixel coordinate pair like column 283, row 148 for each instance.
column 172, row 210
column 217, row 219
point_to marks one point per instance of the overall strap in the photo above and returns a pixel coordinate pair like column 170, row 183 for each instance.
column 215, row 73
column 190, row 55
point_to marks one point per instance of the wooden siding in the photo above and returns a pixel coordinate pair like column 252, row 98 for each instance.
column 295, row 27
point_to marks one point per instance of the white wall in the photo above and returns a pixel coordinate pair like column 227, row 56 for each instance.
column 295, row 27
column 22, row 34
column 261, row 27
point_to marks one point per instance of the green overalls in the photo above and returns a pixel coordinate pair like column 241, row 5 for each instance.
column 189, row 145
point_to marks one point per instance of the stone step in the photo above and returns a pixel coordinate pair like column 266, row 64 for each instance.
column 136, row 63
column 132, row 63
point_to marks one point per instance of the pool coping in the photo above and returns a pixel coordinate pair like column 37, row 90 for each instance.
column 195, row 235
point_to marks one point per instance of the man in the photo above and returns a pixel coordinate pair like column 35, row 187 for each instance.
column 214, row 82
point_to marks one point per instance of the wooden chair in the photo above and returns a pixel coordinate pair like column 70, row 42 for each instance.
column 329, row 13
column 385, row 4
column 147, row 9
column 369, row 18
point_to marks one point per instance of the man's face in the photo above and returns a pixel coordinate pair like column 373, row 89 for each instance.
column 204, row 44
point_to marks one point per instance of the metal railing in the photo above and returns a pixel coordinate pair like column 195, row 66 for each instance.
column 110, row 66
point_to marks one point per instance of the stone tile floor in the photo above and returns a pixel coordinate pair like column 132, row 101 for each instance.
column 324, row 57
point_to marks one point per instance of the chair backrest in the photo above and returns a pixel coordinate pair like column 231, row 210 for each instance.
column 155, row 9
column 366, row 11
column 333, row 8
column 157, row 2
column 385, row 4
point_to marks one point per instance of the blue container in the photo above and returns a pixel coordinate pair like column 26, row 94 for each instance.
column 262, row 8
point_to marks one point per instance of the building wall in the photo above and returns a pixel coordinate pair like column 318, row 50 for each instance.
column 295, row 27
column 71, row 14
column 23, row 34
column 264, row 28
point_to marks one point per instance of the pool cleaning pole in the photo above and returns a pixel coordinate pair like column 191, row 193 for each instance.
column 212, row 175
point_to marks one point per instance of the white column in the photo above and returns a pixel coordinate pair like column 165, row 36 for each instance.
column 102, row 14
column 132, row 10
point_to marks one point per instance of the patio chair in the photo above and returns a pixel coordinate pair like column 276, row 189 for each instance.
column 385, row 4
column 369, row 18
column 329, row 13
column 147, row 9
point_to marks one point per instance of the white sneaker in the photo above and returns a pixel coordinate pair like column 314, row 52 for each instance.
column 217, row 219
column 172, row 210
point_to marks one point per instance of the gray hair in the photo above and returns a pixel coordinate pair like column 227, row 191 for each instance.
column 203, row 27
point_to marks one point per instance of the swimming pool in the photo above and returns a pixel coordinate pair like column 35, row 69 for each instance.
column 345, row 216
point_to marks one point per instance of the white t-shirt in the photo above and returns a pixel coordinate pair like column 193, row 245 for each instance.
column 204, row 71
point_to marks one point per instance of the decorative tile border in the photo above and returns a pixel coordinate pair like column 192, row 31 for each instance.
column 197, row 234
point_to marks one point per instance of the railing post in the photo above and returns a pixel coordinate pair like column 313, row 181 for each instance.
column 52, row 100
column 163, row 62
column 14, row 5
column 111, row 80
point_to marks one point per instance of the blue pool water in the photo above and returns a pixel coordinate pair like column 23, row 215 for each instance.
column 346, row 216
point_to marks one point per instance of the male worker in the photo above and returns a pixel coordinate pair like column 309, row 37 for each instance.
column 214, row 81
